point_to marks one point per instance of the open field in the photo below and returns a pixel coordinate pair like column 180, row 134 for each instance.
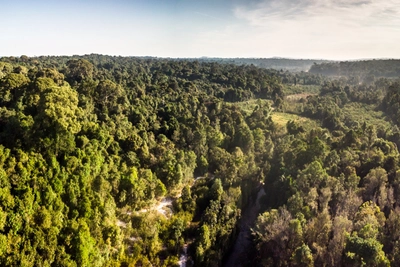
column 359, row 112
column 281, row 119
column 297, row 97
column 249, row 105
column 300, row 89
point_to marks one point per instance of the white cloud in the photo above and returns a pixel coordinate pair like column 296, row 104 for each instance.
column 325, row 28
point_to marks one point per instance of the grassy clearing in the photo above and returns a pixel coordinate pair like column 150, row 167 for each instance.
column 297, row 97
column 301, row 89
column 359, row 112
column 281, row 119
column 249, row 105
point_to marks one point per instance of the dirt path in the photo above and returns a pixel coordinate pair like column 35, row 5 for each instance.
column 163, row 207
column 183, row 257
column 243, row 241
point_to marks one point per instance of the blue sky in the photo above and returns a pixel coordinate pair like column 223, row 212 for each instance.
column 331, row 29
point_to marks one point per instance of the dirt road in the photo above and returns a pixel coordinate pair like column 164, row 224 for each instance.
column 238, row 255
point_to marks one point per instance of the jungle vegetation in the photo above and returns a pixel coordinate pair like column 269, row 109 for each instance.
column 89, row 145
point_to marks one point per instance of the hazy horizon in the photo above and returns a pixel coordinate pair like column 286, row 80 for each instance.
column 308, row 29
column 201, row 57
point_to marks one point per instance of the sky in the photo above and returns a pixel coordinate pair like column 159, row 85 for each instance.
column 317, row 29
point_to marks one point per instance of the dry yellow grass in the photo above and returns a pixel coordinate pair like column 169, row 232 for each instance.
column 281, row 119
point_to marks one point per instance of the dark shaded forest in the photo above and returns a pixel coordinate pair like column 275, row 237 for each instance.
column 122, row 161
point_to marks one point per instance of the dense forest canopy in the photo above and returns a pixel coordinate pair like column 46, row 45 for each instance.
column 122, row 161
column 366, row 69
column 276, row 63
column 294, row 65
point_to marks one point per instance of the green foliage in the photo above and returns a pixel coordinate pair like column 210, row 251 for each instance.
column 365, row 68
column 365, row 252
column 58, row 109
column 302, row 256
column 113, row 161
